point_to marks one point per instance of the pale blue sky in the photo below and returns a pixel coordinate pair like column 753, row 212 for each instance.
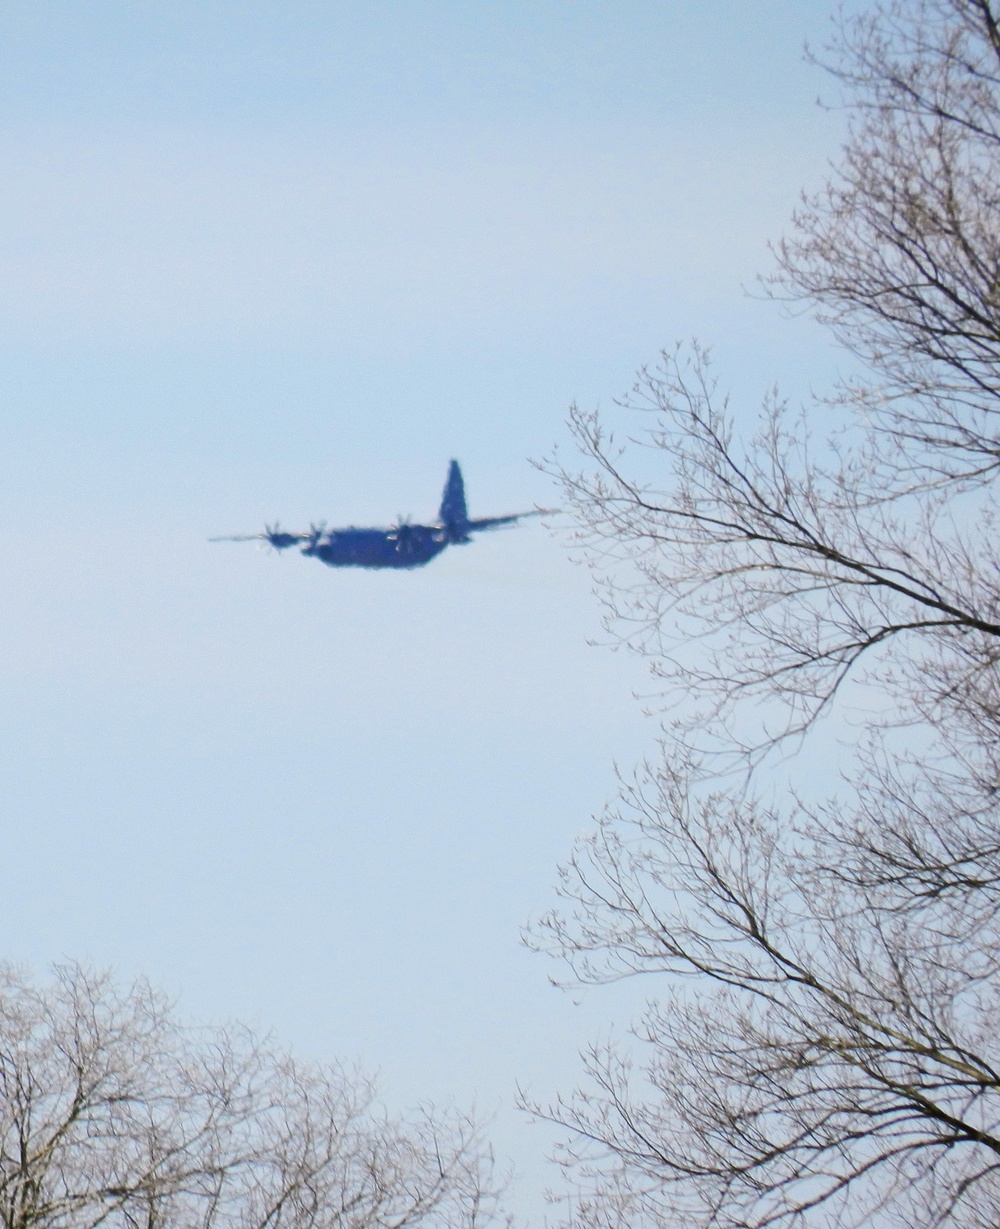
column 265, row 260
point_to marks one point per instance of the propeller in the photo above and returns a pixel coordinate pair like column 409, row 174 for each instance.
column 403, row 535
column 275, row 536
column 312, row 538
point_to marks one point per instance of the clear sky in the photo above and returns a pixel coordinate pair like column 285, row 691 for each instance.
column 284, row 260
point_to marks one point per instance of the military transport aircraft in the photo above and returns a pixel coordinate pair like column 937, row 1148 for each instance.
column 402, row 546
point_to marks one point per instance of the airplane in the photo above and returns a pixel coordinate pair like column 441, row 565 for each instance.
column 404, row 545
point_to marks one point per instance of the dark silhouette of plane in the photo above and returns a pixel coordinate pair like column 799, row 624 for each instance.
column 402, row 546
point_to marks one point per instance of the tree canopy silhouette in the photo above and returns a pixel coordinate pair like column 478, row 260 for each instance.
column 820, row 1046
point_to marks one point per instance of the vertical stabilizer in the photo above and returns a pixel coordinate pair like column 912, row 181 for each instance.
column 453, row 510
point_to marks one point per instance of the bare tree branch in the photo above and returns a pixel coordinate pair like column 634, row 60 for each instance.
column 112, row 1114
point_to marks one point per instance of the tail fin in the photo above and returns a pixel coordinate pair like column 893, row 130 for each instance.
column 453, row 510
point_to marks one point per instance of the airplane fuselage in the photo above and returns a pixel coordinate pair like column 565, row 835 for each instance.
column 408, row 546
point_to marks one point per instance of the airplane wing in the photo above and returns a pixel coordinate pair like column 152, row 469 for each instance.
column 495, row 522
column 277, row 538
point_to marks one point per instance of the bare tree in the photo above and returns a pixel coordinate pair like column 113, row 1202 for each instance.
column 113, row 1114
column 900, row 253
column 823, row 1047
